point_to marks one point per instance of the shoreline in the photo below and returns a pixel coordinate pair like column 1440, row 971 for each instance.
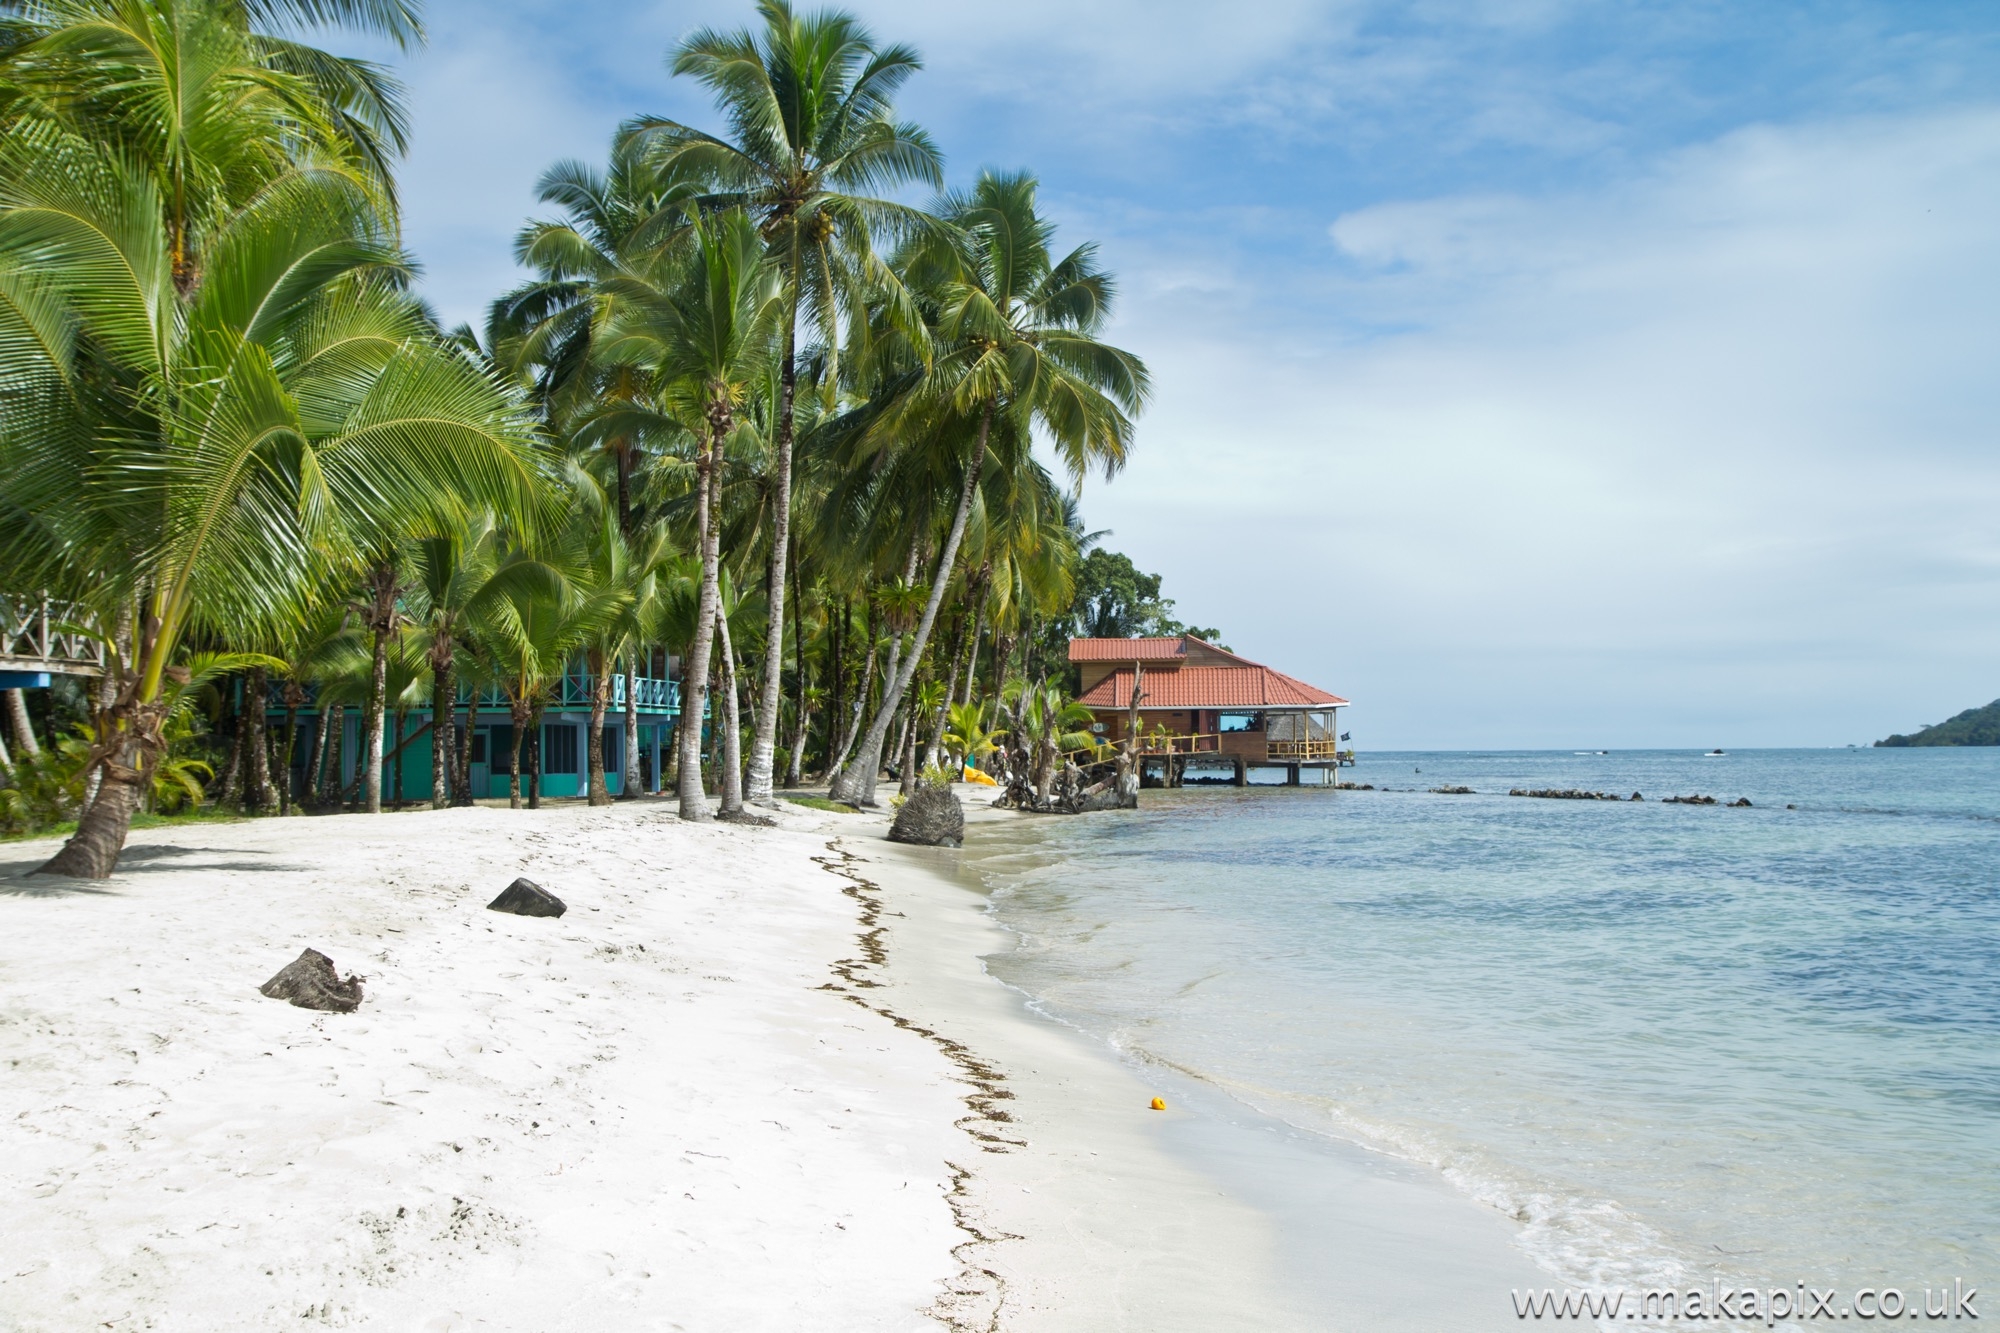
column 755, row 1078
column 1211, row 1214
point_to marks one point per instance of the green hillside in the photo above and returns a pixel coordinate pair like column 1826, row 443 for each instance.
column 1975, row 726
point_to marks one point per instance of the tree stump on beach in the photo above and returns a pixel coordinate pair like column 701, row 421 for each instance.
column 524, row 897
column 311, row 981
column 932, row 817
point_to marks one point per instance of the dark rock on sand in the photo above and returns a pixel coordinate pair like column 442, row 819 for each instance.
column 524, row 897
column 311, row 981
column 932, row 817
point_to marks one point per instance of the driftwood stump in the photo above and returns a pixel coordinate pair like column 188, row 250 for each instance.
column 311, row 981
column 524, row 897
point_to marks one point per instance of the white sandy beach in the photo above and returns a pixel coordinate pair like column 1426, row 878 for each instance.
column 731, row 1089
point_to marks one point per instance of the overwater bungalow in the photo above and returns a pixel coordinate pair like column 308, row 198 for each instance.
column 1205, row 708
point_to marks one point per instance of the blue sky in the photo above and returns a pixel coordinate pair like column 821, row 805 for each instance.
column 1534, row 373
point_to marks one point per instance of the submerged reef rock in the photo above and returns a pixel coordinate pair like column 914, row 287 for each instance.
column 524, row 897
column 932, row 817
column 1689, row 800
column 311, row 981
column 1566, row 794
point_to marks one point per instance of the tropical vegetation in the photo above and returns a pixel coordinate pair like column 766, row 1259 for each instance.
column 759, row 418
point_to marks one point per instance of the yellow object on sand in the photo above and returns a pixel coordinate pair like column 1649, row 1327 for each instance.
column 1159, row 1103
column 983, row 779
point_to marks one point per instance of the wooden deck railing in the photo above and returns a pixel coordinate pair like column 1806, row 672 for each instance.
column 32, row 638
column 1311, row 749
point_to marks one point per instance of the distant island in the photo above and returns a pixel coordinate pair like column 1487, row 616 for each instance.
column 1975, row 726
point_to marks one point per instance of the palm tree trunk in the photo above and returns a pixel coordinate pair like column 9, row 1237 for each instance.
column 633, row 783
column 7, row 761
column 395, row 756
column 444, row 706
column 600, row 701
column 17, row 717
column 797, row 757
column 327, row 795
column 92, row 851
column 256, row 760
column 906, row 750
column 763, row 745
column 851, row 728
column 461, row 777
column 694, row 686
column 933, row 753
column 857, row 784
column 535, row 759
column 371, row 724
column 972, row 662
column 107, row 695
column 732, row 735
column 230, row 790
column 837, row 629
column 295, row 699
column 518, row 714
column 800, row 732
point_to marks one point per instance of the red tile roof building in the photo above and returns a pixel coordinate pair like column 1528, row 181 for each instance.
column 1220, row 702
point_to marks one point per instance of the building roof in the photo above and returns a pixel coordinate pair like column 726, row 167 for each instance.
column 1180, row 650
column 1246, row 686
column 1125, row 650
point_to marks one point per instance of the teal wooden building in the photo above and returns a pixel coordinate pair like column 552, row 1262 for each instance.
column 565, row 733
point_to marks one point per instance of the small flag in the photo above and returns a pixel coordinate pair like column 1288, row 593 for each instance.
column 1347, row 735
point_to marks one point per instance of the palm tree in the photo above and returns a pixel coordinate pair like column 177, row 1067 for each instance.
column 455, row 576
column 1042, row 725
column 967, row 739
column 203, row 431
column 532, row 623
column 1016, row 346
column 812, row 135
column 702, row 327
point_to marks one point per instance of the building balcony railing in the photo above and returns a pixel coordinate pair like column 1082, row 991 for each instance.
column 572, row 694
column 1303, row 749
column 1154, row 745
column 32, row 638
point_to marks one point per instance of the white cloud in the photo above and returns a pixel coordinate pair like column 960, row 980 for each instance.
column 1719, row 436
column 1696, row 450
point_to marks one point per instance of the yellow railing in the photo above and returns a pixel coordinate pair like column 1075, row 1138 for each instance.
column 1153, row 746
column 1327, row 749
column 1194, row 743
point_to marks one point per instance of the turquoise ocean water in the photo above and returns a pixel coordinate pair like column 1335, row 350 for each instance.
column 1662, row 1036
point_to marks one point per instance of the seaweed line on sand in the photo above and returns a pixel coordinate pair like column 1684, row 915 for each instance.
column 978, row 1295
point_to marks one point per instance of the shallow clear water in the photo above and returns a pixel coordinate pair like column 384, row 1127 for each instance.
column 1666, row 1037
